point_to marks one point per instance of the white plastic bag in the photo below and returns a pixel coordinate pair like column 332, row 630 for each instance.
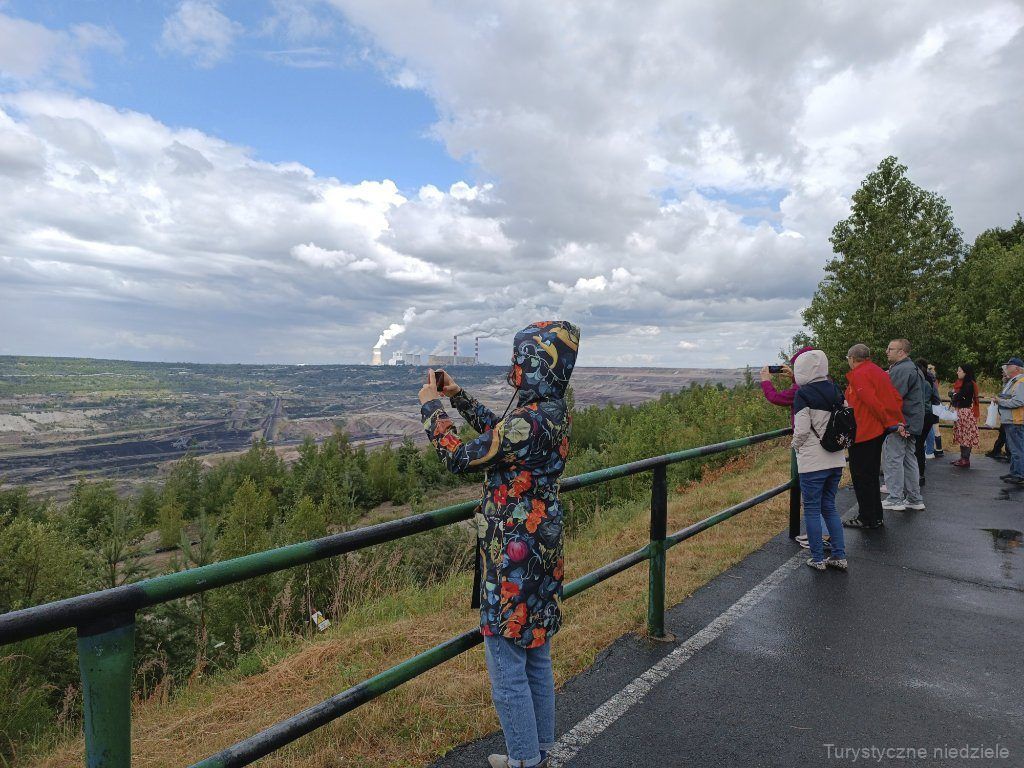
column 944, row 412
column 992, row 419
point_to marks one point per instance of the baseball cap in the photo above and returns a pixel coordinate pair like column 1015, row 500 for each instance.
column 1015, row 361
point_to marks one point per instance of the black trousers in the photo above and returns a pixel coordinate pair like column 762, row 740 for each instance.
column 865, row 464
column 1001, row 441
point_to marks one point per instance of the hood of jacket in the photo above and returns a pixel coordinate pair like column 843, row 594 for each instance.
column 792, row 360
column 809, row 367
column 543, row 356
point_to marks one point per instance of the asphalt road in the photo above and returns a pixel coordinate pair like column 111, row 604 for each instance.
column 916, row 651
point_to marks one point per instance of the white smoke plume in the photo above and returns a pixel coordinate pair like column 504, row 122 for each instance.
column 396, row 328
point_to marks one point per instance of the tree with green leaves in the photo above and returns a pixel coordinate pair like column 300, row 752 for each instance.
column 989, row 306
column 90, row 507
column 242, row 608
column 891, row 277
column 169, row 523
column 147, row 504
column 119, row 534
column 184, row 487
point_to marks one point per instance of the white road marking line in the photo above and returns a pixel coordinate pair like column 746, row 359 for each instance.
column 592, row 726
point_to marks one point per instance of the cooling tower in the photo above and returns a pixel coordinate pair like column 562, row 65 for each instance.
column 376, row 360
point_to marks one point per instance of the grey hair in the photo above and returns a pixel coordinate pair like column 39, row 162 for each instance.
column 859, row 352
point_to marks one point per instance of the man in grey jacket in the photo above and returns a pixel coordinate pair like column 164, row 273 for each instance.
column 899, row 460
column 1011, row 414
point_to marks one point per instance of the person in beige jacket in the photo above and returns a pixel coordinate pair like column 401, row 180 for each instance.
column 820, row 470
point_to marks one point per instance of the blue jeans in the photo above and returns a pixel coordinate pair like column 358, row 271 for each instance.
column 929, row 441
column 523, row 691
column 819, row 494
column 1015, row 442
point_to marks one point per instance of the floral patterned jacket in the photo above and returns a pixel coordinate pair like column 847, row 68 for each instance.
column 519, row 524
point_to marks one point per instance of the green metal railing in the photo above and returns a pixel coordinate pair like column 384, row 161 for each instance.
column 105, row 621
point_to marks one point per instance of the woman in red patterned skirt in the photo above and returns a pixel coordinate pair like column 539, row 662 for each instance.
column 964, row 398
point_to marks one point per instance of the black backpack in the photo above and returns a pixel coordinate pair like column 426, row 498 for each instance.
column 841, row 430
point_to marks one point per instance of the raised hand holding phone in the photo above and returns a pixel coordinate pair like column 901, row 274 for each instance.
column 446, row 384
column 429, row 390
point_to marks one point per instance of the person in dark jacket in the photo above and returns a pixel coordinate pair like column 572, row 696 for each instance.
column 519, row 527
column 933, row 445
column 964, row 399
column 877, row 409
column 930, row 419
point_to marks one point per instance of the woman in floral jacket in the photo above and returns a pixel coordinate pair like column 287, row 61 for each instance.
column 519, row 527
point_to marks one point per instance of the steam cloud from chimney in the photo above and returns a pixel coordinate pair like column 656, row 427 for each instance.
column 396, row 328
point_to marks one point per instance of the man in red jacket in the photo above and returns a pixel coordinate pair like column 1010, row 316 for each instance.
column 878, row 410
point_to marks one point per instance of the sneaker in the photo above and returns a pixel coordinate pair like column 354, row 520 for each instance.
column 932, row 455
column 856, row 522
column 1014, row 480
column 893, row 506
column 992, row 455
column 839, row 563
column 939, row 452
column 501, row 761
column 918, row 506
column 962, row 463
column 803, row 541
column 818, row 565
column 1006, row 476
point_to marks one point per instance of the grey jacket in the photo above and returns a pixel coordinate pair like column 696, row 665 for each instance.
column 916, row 394
column 1011, row 401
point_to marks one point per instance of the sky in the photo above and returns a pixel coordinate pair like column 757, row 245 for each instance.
column 295, row 181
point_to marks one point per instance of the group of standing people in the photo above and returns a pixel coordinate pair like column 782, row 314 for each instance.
column 895, row 432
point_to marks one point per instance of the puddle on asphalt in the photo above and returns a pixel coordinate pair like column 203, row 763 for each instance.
column 1005, row 539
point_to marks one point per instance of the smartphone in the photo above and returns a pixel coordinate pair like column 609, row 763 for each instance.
column 440, row 380
column 774, row 369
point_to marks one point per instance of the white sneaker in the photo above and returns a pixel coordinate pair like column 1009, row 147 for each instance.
column 929, row 455
column 818, row 565
column 919, row 505
column 892, row 506
column 501, row 761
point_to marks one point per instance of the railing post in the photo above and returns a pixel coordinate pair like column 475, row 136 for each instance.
column 794, row 497
column 656, row 561
column 106, row 651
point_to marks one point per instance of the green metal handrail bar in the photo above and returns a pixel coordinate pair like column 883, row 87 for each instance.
column 105, row 620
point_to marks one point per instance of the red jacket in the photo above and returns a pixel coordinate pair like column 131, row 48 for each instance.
column 876, row 403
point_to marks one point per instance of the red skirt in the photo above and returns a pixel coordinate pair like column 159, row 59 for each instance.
column 965, row 431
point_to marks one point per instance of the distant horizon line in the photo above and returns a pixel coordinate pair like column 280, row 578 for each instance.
column 361, row 365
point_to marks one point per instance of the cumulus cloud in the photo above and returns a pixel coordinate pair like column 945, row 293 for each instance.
column 665, row 174
column 198, row 30
column 31, row 53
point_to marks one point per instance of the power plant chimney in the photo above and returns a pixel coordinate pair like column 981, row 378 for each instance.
column 476, row 350
column 376, row 357
column 455, row 346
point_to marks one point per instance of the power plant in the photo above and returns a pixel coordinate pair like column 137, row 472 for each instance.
column 401, row 357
